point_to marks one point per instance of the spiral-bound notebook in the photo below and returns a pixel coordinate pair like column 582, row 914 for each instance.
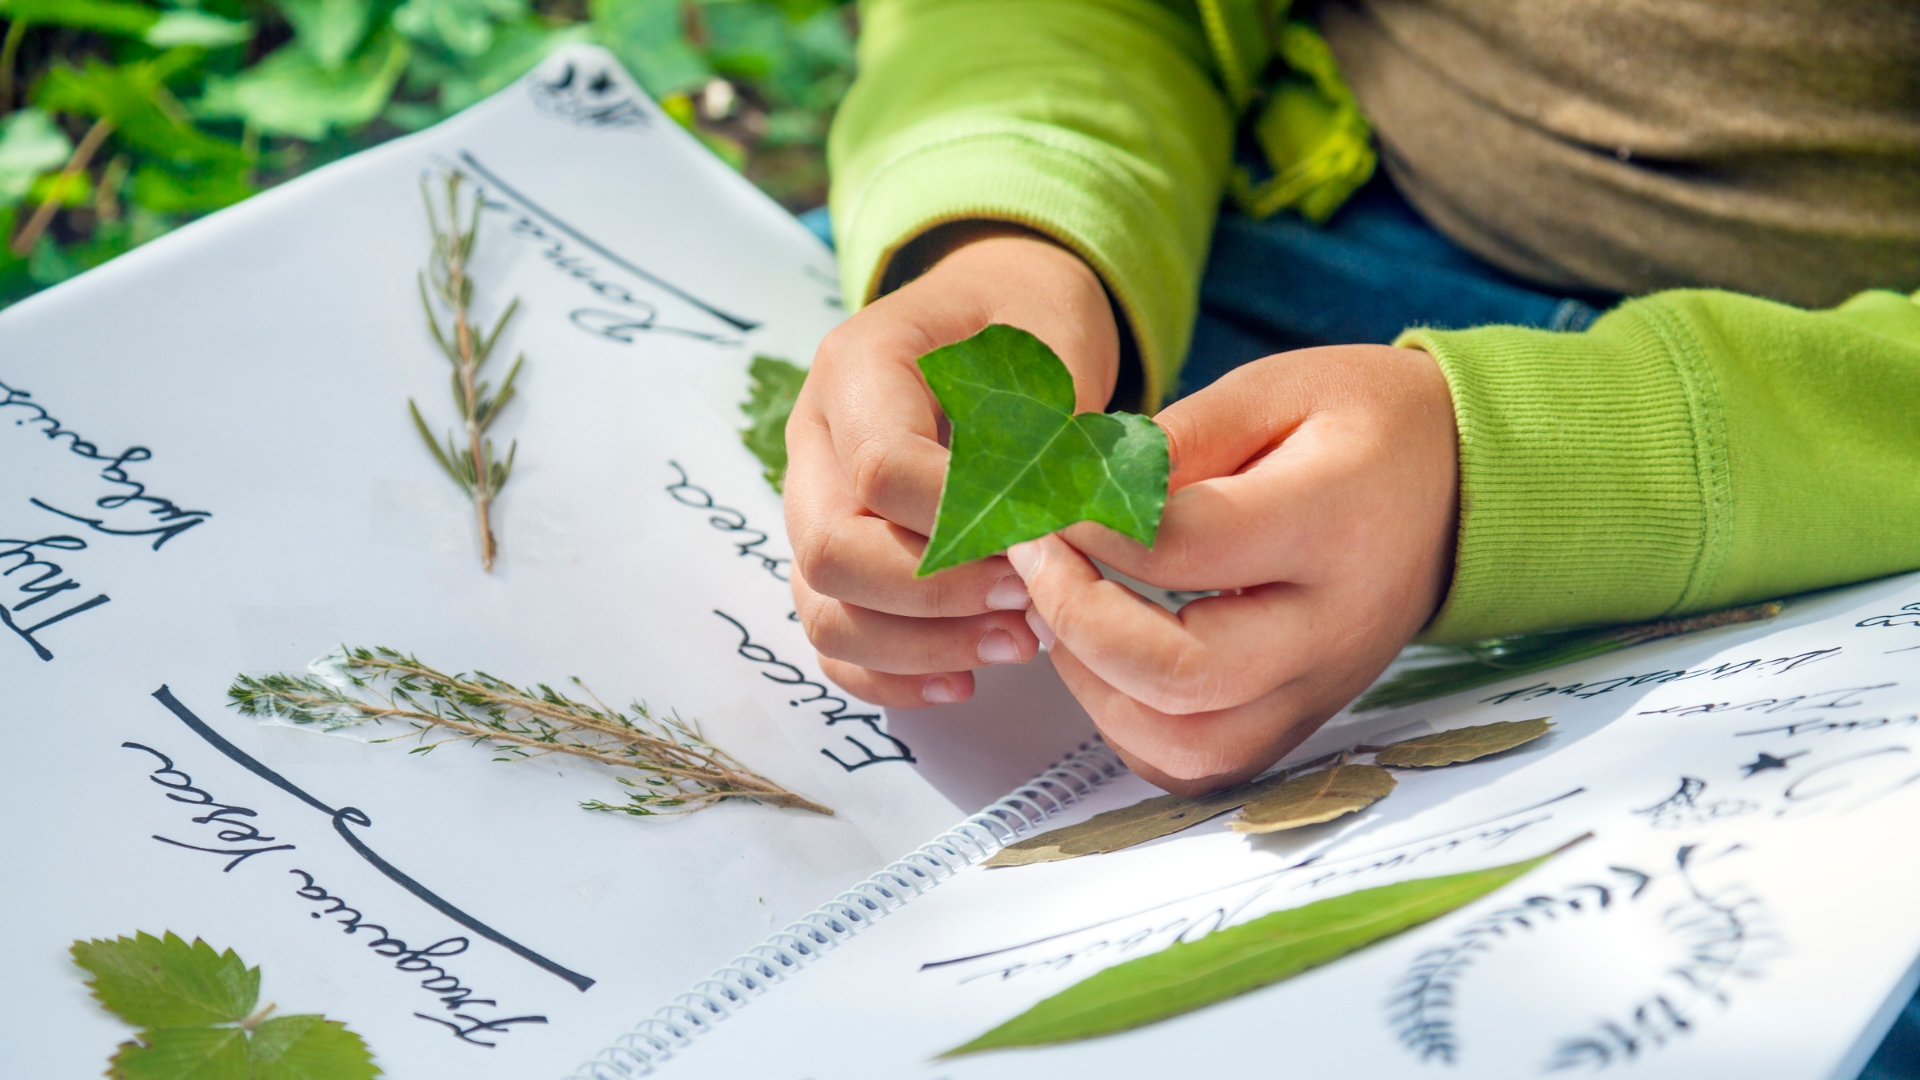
column 208, row 471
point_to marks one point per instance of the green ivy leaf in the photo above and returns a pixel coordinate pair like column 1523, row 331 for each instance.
column 1024, row 464
column 776, row 386
column 165, row 982
column 1226, row 963
column 292, row 93
column 309, row 1048
column 30, row 144
column 184, row 1053
column 105, row 16
column 329, row 30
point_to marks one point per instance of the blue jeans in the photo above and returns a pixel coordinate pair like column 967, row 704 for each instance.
column 1372, row 271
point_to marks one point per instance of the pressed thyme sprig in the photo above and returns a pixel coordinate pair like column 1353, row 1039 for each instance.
column 446, row 277
column 679, row 770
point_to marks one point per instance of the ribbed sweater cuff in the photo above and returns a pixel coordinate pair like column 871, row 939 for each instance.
column 1059, row 183
column 1593, row 473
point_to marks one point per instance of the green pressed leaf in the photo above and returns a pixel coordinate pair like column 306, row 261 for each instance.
column 1314, row 798
column 292, row 93
column 776, row 386
column 184, row 1053
column 1462, row 744
column 105, row 16
column 1023, row 463
column 1149, row 819
column 165, row 982
column 309, row 1048
column 30, row 144
column 1226, row 963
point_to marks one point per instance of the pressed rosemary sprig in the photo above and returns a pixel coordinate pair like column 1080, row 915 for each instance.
column 467, row 347
column 679, row 770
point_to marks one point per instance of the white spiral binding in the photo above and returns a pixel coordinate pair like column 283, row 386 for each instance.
column 715, row 998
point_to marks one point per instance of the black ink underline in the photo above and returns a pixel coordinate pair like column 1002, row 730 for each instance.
column 738, row 323
column 346, row 814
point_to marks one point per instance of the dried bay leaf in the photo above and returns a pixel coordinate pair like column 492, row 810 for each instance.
column 1462, row 744
column 1149, row 819
column 1024, row 463
column 1226, row 963
column 1314, row 798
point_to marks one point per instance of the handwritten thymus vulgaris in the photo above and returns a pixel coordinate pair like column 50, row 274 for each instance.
column 469, row 459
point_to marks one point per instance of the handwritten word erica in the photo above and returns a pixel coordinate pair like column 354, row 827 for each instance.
column 833, row 709
column 454, row 996
column 345, row 819
column 746, row 539
column 1776, row 666
column 229, row 820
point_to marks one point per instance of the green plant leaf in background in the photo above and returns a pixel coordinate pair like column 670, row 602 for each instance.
column 1226, row 963
column 776, row 386
column 135, row 99
column 292, row 93
column 197, row 28
column 648, row 37
column 104, row 16
column 517, row 48
column 1023, row 463
column 166, row 190
column 196, row 1009
column 462, row 27
column 30, row 144
column 329, row 30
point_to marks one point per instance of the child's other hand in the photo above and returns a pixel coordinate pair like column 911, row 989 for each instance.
column 1318, row 491
column 866, row 465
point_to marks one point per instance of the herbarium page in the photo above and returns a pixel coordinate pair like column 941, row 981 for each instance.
column 1711, row 838
column 241, row 467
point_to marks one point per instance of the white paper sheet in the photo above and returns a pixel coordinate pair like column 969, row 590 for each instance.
column 1744, row 906
column 276, row 501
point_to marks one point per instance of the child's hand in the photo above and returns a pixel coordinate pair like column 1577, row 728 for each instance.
column 1318, row 491
column 866, row 466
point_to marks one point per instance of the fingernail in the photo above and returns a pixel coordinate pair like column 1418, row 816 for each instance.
column 939, row 690
column 998, row 647
column 1009, row 594
column 1040, row 628
column 1025, row 557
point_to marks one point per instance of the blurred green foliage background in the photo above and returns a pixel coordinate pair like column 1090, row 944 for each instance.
column 123, row 119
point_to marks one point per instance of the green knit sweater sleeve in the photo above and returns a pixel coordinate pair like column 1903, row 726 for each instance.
column 1096, row 122
column 1692, row 450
